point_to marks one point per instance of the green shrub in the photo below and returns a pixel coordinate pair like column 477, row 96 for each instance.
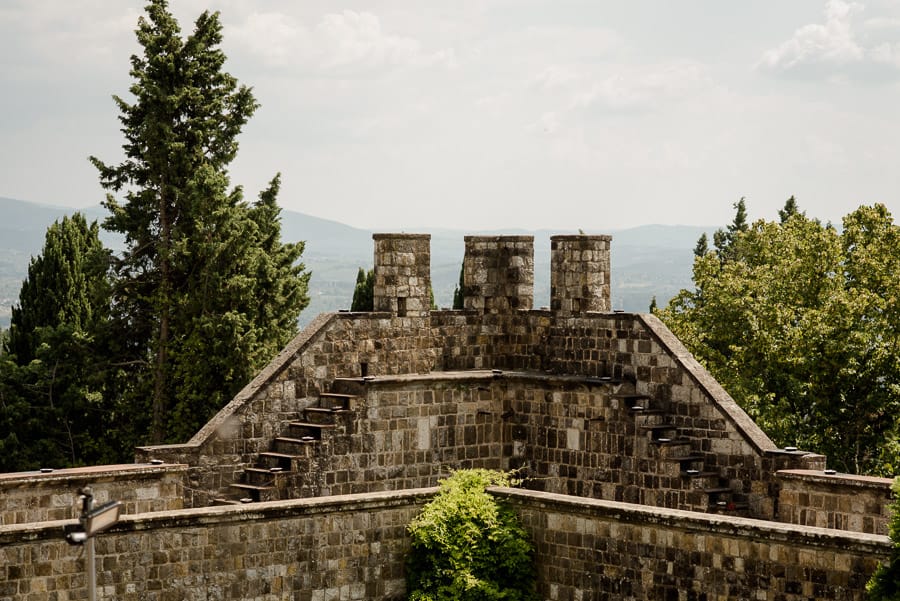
column 468, row 547
column 885, row 582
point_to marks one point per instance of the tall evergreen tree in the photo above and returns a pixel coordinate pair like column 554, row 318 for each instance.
column 66, row 284
column 364, row 291
column 459, row 297
column 726, row 241
column 790, row 209
column 205, row 291
column 702, row 246
column 52, row 382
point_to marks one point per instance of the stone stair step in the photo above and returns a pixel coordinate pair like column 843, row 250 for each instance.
column 319, row 415
column 304, row 430
column 220, row 501
column 262, row 476
column 730, row 507
column 637, row 410
column 256, row 493
column 270, row 459
column 296, row 447
column 700, row 479
column 656, row 429
column 685, row 460
column 337, row 400
column 670, row 442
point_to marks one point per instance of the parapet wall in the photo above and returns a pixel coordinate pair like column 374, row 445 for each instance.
column 339, row 548
column 354, row 548
column 592, row 549
column 840, row 501
column 27, row 497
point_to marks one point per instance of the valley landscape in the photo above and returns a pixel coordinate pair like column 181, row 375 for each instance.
column 647, row 261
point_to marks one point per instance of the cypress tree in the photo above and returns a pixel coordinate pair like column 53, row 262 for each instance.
column 459, row 298
column 364, row 291
column 52, row 380
column 205, row 291
column 66, row 285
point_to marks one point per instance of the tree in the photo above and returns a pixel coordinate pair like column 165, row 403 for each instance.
column 790, row 209
column 468, row 547
column 459, row 297
column 53, row 379
column 364, row 292
column 802, row 327
column 725, row 241
column 702, row 246
column 66, row 284
column 205, row 292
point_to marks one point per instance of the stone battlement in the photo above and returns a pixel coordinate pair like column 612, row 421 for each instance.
column 644, row 477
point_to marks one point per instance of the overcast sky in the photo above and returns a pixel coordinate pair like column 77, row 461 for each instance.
column 493, row 114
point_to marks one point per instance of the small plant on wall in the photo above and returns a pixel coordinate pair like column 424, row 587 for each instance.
column 885, row 582
column 468, row 547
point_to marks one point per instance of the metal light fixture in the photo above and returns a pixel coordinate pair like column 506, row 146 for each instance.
column 92, row 522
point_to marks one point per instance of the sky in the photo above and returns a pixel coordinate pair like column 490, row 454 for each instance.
column 393, row 115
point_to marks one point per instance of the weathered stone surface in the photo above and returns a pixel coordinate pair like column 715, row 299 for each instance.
column 606, row 407
column 591, row 549
column 39, row 497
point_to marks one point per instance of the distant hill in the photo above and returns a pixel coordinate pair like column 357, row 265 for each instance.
column 647, row 261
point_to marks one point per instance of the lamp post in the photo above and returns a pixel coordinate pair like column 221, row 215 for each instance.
column 92, row 522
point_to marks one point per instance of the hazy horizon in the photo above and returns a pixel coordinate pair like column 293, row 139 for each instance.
column 493, row 115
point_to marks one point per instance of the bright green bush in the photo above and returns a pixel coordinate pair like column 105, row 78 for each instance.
column 885, row 582
column 468, row 547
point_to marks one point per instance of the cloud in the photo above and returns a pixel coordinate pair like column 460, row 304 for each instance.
column 643, row 89
column 838, row 48
column 38, row 33
column 340, row 41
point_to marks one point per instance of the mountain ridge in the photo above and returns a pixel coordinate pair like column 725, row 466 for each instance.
column 648, row 261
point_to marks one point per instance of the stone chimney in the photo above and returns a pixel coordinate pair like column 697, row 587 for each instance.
column 579, row 274
column 403, row 274
column 498, row 273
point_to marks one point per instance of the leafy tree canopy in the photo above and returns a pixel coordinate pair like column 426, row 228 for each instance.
column 800, row 322
column 468, row 547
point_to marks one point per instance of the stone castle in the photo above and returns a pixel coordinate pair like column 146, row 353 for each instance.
column 642, row 478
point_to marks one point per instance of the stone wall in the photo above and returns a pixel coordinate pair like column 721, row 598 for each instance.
column 591, row 549
column 334, row 549
column 39, row 497
column 354, row 548
column 840, row 501
column 612, row 455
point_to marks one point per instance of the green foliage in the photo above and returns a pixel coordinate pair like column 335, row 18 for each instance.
column 66, row 284
column 53, row 407
column 364, row 292
column 702, row 246
column 468, row 547
column 884, row 585
column 801, row 324
column 459, row 297
column 205, row 292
